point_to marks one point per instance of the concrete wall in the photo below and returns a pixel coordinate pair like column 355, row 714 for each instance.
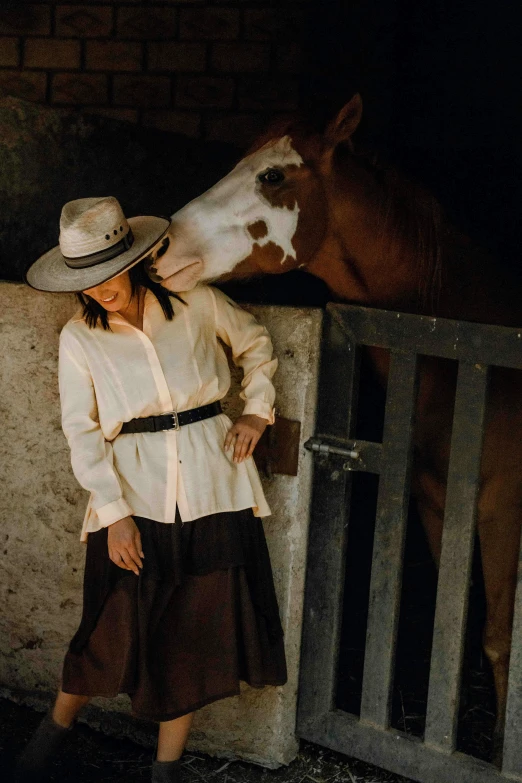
column 41, row 508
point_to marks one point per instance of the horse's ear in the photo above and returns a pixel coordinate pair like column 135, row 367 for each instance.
column 343, row 126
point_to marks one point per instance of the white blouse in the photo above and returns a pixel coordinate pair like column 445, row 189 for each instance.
column 108, row 377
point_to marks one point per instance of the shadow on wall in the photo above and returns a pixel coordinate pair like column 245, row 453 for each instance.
column 48, row 157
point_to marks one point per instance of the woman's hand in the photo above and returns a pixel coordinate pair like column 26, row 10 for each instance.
column 247, row 430
column 124, row 542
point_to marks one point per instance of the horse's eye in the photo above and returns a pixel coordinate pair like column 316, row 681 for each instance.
column 272, row 176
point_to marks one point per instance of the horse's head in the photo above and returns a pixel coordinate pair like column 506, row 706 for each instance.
column 267, row 216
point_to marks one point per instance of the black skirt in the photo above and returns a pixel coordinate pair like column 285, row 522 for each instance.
column 201, row 616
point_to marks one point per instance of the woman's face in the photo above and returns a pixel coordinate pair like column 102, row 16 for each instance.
column 113, row 295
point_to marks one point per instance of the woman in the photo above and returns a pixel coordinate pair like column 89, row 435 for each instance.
column 179, row 601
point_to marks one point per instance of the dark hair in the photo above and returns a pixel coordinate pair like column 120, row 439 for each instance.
column 92, row 310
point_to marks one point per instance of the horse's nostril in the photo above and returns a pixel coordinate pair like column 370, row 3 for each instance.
column 152, row 273
column 164, row 247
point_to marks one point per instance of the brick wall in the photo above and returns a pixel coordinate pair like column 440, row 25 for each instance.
column 211, row 69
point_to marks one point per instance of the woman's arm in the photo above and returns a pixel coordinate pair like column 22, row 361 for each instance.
column 91, row 454
column 252, row 350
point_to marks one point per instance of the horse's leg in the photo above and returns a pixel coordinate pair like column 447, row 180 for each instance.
column 499, row 531
column 499, row 528
column 431, row 494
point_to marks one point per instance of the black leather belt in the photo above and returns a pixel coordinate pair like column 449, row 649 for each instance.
column 171, row 421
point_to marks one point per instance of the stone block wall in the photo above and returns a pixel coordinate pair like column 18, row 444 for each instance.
column 211, row 69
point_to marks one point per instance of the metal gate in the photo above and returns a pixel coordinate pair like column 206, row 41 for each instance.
column 370, row 736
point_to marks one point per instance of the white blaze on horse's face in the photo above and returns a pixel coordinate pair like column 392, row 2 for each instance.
column 218, row 230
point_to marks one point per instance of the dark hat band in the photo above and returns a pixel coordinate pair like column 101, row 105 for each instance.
column 102, row 255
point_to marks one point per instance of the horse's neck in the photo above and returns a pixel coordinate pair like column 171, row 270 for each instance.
column 473, row 287
column 361, row 266
column 355, row 262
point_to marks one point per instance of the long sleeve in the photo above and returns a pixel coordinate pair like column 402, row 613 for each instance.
column 251, row 350
column 91, row 454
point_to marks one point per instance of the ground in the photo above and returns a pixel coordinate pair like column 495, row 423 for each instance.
column 91, row 756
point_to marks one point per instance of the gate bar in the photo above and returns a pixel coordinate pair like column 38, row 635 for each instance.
column 400, row 753
column 456, row 558
column 442, row 337
column 512, row 757
column 327, row 533
column 388, row 548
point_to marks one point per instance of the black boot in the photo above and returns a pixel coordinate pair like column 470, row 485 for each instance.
column 33, row 762
column 166, row 772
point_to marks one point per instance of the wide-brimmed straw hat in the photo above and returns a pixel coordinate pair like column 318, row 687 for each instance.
column 97, row 243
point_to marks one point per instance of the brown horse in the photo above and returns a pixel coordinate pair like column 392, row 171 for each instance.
column 305, row 199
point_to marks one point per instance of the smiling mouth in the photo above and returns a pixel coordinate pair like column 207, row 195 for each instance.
column 110, row 299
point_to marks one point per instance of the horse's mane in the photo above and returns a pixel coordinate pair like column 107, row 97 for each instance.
column 408, row 215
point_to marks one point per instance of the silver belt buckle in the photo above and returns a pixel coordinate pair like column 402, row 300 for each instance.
column 175, row 420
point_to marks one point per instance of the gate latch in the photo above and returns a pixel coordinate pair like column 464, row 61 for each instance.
column 323, row 449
